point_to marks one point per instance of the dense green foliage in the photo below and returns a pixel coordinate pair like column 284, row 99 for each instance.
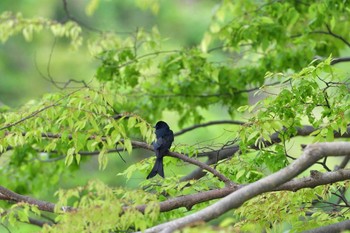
column 284, row 52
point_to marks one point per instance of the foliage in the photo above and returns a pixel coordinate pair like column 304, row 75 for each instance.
column 283, row 51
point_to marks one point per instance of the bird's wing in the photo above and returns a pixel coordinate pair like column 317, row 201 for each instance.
column 157, row 144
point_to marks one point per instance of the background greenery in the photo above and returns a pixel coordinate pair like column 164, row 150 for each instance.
column 186, row 62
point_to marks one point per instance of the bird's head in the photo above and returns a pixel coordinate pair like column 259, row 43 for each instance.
column 161, row 124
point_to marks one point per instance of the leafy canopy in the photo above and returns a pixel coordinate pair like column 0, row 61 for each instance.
column 284, row 51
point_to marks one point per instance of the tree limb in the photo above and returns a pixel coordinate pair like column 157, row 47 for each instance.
column 190, row 200
column 311, row 154
column 224, row 153
column 334, row 228
column 185, row 130
column 189, row 160
column 143, row 145
column 294, row 185
column 331, row 33
column 9, row 195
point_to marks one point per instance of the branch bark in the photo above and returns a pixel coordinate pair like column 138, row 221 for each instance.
column 6, row 194
column 335, row 228
column 311, row 155
column 217, row 155
column 187, row 201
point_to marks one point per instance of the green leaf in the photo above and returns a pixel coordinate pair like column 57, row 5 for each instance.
column 243, row 108
column 77, row 157
column 102, row 159
column 131, row 122
column 128, row 145
column 69, row 157
column 240, row 173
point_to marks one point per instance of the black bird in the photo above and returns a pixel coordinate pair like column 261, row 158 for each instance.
column 165, row 138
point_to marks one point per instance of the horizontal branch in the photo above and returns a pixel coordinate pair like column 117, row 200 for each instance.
column 334, row 60
column 185, row 130
column 39, row 223
column 339, row 60
column 6, row 194
column 187, row 201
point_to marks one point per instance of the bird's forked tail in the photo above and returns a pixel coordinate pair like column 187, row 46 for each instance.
column 157, row 168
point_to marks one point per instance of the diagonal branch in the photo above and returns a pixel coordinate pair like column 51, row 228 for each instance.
column 331, row 33
column 224, row 153
column 28, row 117
column 294, row 185
column 311, row 154
column 336, row 227
column 33, row 114
column 185, row 158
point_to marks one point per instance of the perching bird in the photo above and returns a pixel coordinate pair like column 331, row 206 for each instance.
column 165, row 138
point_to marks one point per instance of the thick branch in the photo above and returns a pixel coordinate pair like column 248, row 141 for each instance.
column 188, row 201
column 335, row 228
column 312, row 154
column 38, row 222
column 217, row 155
column 316, row 179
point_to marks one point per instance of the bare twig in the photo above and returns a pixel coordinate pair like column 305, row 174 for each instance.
column 29, row 116
column 35, row 113
column 331, row 33
column 208, row 124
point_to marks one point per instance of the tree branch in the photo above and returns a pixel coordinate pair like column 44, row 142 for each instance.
column 224, row 153
column 311, row 154
column 331, row 33
column 28, row 117
column 33, row 114
column 316, row 179
column 334, row 60
column 337, row 227
column 189, row 160
column 6, row 194
column 39, row 223
column 188, row 201
column 143, row 145
column 185, row 130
